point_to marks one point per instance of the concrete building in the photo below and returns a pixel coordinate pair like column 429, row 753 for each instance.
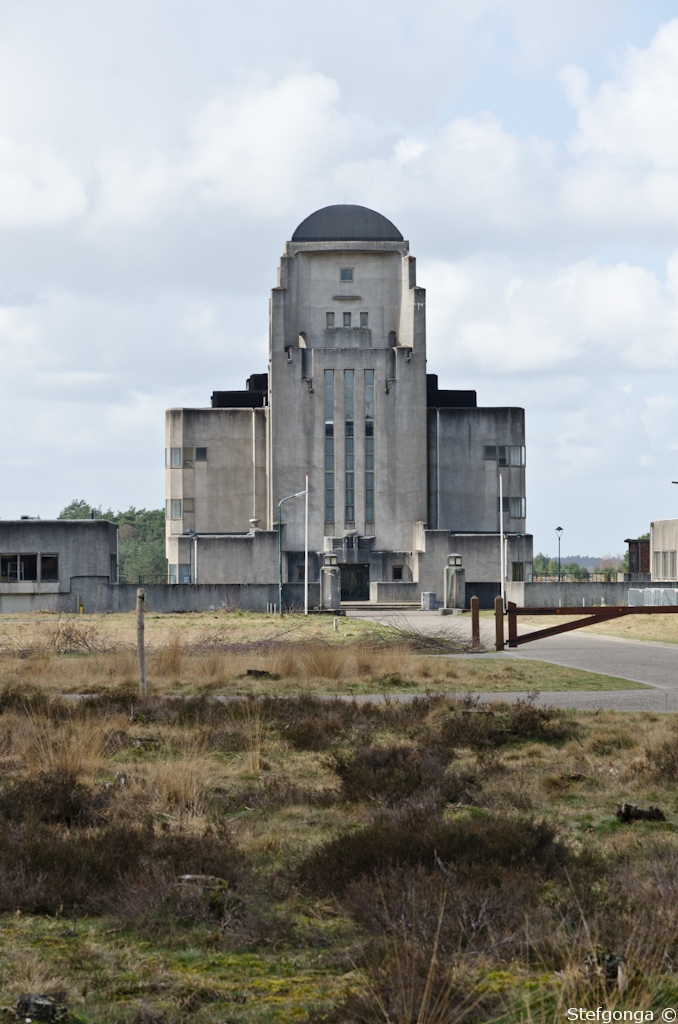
column 663, row 548
column 401, row 472
column 49, row 564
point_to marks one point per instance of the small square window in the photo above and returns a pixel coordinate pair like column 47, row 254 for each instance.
column 346, row 274
column 347, row 319
column 490, row 451
column 397, row 573
column 49, row 568
column 189, row 504
column 9, row 568
column 363, row 319
column 201, row 454
column 329, row 319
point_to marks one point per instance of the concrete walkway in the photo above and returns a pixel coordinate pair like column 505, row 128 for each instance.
column 643, row 661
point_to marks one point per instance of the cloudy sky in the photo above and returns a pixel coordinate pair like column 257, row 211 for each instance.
column 156, row 154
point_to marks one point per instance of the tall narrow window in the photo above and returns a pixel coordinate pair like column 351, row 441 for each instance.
column 347, row 319
column 369, row 446
column 329, row 446
column 363, row 319
column 329, row 319
column 349, row 499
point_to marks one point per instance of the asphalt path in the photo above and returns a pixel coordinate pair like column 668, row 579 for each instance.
column 643, row 661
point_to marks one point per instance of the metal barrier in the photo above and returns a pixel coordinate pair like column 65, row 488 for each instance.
column 588, row 618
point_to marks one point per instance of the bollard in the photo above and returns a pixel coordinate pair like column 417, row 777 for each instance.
column 141, row 647
column 499, row 623
column 336, row 625
column 475, row 622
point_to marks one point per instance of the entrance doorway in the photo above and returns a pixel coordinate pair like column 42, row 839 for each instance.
column 355, row 582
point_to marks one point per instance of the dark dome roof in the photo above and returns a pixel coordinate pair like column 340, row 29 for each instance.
column 346, row 224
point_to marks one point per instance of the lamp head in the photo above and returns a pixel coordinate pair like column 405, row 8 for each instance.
column 559, row 529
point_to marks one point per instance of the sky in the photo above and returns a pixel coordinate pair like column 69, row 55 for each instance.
column 155, row 155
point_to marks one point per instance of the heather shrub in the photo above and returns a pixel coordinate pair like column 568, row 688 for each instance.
column 388, row 775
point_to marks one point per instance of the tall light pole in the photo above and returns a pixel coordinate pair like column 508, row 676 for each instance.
column 194, row 537
column 501, row 535
column 559, row 530
column 518, row 535
column 288, row 498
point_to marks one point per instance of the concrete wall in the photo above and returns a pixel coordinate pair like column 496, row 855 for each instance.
column 479, row 554
column 569, row 595
column 251, row 558
column 467, row 498
column 99, row 596
column 227, row 489
column 84, row 547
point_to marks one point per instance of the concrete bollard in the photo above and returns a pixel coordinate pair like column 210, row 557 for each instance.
column 428, row 601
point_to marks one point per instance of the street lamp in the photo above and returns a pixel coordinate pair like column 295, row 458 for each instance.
column 518, row 536
column 559, row 530
column 280, row 585
column 194, row 537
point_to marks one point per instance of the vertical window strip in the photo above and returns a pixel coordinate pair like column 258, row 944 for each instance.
column 329, row 446
column 369, row 446
column 349, row 477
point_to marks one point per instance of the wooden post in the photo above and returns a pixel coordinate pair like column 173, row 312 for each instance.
column 475, row 622
column 499, row 622
column 141, row 647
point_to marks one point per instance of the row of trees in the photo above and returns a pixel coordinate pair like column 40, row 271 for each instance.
column 141, row 548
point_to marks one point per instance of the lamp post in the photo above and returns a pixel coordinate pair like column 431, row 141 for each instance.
column 518, row 536
column 559, row 530
column 194, row 537
column 288, row 498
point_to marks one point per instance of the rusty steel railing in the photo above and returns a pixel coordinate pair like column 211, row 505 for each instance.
column 588, row 617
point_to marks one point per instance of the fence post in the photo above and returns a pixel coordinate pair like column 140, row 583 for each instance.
column 475, row 622
column 499, row 622
column 512, row 625
column 141, row 647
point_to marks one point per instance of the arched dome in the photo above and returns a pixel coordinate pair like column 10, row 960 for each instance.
column 346, row 224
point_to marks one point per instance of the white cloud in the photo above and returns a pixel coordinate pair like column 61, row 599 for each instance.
column 36, row 186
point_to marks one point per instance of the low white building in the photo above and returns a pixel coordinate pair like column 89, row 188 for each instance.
column 663, row 548
column 401, row 473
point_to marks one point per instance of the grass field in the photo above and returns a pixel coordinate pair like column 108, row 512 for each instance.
column 213, row 654
column 350, row 863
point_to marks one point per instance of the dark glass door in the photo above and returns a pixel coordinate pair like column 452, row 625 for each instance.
column 355, row 582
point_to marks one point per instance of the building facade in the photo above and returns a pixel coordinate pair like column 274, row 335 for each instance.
column 401, row 473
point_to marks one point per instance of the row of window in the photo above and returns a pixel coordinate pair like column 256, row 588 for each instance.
column 514, row 506
column 349, row 449
column 178, row 458
column 665, row 565
column 176, row 507
column 18, row 568
column 505, row 454
column 180, row 573
column 329, row 320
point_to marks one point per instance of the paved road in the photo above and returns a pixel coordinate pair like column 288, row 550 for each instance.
column 642, row 661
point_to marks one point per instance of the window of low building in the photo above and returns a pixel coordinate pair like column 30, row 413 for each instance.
column 184, row 572
column 301, row 573
column 173, row 574
column 28, row 567
column 49, row 568
column 665, row 564
column 347, row 319
column 9, row 568
column 397, row 573
column 329, row 319
column 113, row 568
column 346, row 274
column 363, row 319
column 201, row 454
column 672, row 565
column 657, row 564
